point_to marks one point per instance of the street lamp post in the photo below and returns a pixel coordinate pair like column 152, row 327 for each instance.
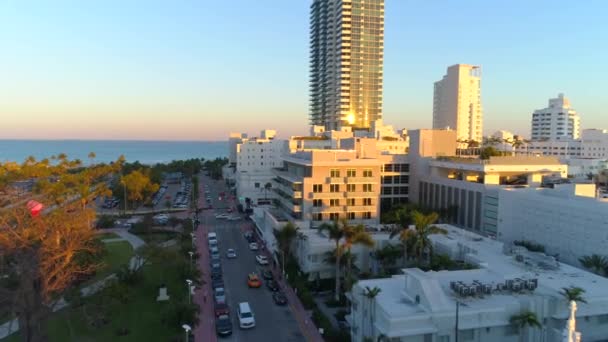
column 189, row 283
column 191, row 254
column 187, row 328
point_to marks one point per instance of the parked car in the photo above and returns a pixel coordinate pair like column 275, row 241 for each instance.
column 253, row 280
column 279, row 298
column 221, row 309
column 261, row 259
column 246, row 318
column 219, row 295
column 222, row 216
column 234, row 218
column 217, row 282
column 230, row 253
column 272, row 285
column 253, row 246
column 267, row 275
column 223, row 325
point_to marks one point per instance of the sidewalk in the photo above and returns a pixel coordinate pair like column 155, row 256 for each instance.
column 205, row 330
column 307, row 326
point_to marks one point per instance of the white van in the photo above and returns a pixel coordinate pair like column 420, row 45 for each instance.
column 211, row 236
column 246, row 319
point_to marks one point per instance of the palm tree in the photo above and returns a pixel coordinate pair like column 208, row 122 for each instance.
column 92, row 156
column 595, row 263
column 267, row 187
column 525, row 319
column 573, row 293
column 423, row 228
column 354, row 235
column 517, row 143
column 335, row 233
column 371, row 294
column 286, row 236
column 387, row 256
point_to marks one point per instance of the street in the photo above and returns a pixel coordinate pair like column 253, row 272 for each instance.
column 273, row 323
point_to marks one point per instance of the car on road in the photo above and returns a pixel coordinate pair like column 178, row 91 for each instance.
column 272, row 285
column 267, row 275
column 253, row 280
column 222, row 216
column 214, row 250
column 215, row 264
column 253, row 246
column 216, row 272
column 234, row 218
column 219, row 294
column 261, row 259
column 221, row 309
column 249, row 237
column 230, row 253
column 223, row 325
column 246, row 318
column 279, row 298
column 217, row 282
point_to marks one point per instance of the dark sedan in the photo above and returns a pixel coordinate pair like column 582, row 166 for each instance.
column 223, row 325
column 267, row 275
column 279, row 298
column 272, row 285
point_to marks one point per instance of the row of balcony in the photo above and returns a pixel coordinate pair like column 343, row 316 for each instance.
column 340, row 194
column 351, row 180
column 344, row 208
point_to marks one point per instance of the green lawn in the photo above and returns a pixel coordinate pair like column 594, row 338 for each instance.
column 142, row 315
column 106, row 236
column 157, row 236
column 118, row 253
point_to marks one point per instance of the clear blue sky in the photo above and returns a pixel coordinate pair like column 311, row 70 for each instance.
column 182, row 69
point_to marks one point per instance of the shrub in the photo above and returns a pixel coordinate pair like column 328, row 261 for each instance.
column 105, row 221
column 531, row 246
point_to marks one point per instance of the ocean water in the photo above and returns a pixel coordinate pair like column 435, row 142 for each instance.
column 146, row 152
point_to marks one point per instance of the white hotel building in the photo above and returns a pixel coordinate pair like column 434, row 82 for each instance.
column 421, row 306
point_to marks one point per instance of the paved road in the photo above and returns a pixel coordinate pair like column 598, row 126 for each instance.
column 273, row 323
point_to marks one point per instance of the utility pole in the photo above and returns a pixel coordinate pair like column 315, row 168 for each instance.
column 456, row 327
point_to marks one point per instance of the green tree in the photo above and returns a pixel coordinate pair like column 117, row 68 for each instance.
column 92, row 157
column 138, row 186
column 387, row 256
column 267, row 188
column 595, row 263
column 523, row 320
column 371, row 294
column 44, row 253
column 489, row 151
column 286, row 236
column 336, row 234
column 418, row 238
column 573, row 293
column 354, row 235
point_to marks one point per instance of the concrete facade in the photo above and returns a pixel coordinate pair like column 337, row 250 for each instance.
column 556, row 122
column 457, row 102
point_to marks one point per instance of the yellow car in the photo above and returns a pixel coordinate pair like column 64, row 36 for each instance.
column 253, row 280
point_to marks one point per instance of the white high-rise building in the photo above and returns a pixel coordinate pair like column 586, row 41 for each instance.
column 556, row 122
column 457, row 102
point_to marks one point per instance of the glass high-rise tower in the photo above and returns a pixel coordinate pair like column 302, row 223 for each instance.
column 346, row 58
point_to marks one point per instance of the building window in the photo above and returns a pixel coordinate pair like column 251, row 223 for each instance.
column 317, row 188
column 388, row 168
column 334, row 216
column 351, row 216
column 511, row 330
column 334, row 188
column 367, row 173
column 351, row 187
column 317, row 217
column 367, row 201
column 350, row 201
column 466, row 335
column 317, row 203
column 351, row 173
column 368, row 188
column 334, row 173
column 387, row 191
column 334, row 202
column 367, row 215
column 257, row 185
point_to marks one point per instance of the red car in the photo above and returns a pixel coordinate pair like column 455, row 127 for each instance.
column 221, row 309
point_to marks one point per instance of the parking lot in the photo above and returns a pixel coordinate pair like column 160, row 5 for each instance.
column 273, row 322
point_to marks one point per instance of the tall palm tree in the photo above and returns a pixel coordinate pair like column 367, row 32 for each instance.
column 286, row 236
column 267, row 187
column 525, row 319
column 573, row 293
column 387, row 255
column 335, row 233
column 371, row 294
column 354, row 235
column 595, row 263
column 423, row 228
column 92, row 156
